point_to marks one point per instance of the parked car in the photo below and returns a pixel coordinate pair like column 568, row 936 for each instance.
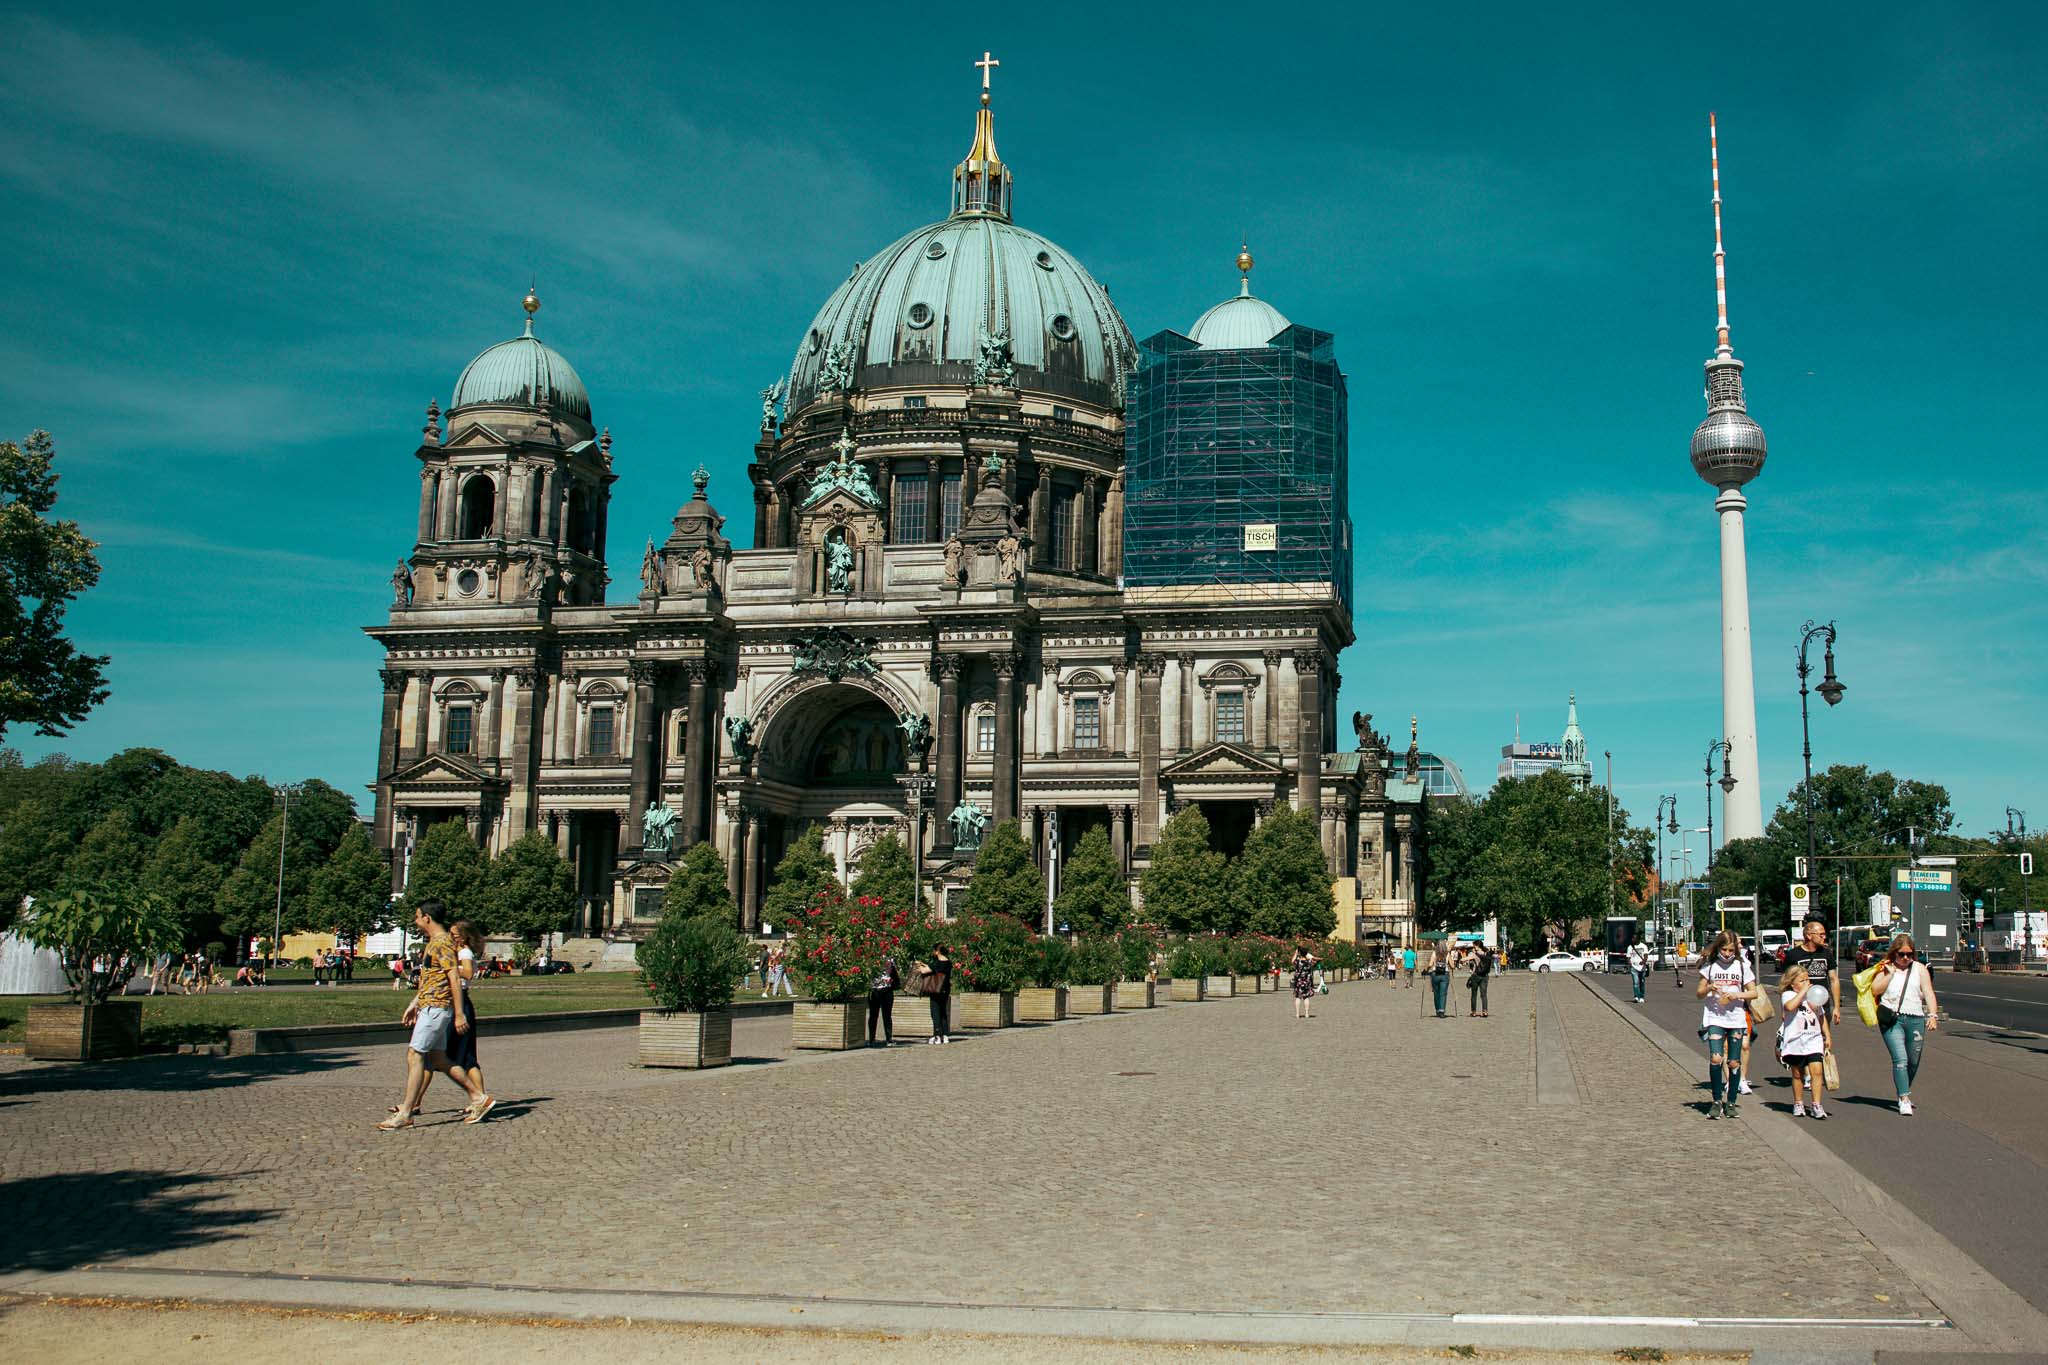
column 1568, row 962
column 1869, row 950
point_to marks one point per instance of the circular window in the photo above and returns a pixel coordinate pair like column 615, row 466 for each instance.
column 1044, row 259
column 935, row 249
column 468, row 581
column 920, row 315
column 813, row 341
column 1063, row 327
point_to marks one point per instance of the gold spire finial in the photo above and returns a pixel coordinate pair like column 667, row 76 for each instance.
column 987, row 64
column 1244, row 266
column 531, row 303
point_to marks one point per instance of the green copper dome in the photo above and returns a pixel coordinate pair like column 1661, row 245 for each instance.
column 522, row 373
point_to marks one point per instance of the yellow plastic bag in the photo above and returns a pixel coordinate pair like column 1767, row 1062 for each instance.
column 1866, row 1003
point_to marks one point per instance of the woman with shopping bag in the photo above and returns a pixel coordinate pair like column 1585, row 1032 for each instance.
column 1903, row 991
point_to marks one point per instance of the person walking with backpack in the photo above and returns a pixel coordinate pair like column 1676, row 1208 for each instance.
column 1727, row 985
column 1482, row 972
column 1440, row 978
column 1906, row 1009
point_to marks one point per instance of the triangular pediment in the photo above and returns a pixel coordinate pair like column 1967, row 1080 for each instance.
column 1222, row 760
column 839, row 500
column 444, row 769
column 475, row 434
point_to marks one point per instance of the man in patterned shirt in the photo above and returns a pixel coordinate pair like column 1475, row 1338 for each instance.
column 435, row 1008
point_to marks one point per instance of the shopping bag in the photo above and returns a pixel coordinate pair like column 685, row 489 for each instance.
column 1830, row 1074
column 1866, row 1003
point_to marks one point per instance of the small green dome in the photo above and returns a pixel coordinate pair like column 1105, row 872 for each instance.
column 1238, row 324
column 522, row 373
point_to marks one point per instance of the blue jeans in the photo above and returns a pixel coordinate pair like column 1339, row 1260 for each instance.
column 1724, row 1057
column 1639, row 980
column 1903, row 1040
column 1440, row 987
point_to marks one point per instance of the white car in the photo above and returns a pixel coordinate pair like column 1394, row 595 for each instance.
column 1566, row 962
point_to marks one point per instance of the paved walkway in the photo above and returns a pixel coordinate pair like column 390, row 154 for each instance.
column 1219, row 1157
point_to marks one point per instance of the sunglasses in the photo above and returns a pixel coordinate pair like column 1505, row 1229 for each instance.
column 1903, row 952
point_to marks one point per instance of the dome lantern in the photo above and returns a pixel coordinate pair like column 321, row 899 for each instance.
column 523, row 373
column 981, row 182
column 1241, row 322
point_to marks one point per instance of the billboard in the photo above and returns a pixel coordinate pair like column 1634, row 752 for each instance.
column 1925, row 905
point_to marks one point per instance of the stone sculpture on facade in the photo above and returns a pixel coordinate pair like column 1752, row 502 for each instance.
column 658, row 829
column 650, row 570
column 739, row 732
column 833, row 654
column 835, row 373
column 703, row 569
column 968, row 821
column 843, row 474
column 956, row 563
column 993, row 367
column 917, row 731
column 1009, row 559
column 838, row 562
column 770, row 396
column 401, row 586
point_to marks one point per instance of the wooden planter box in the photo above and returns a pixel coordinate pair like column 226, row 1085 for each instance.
column 828, row 1026
column 1042, row 1004
column 80, row 1033
column 1185, row 988
column 912, row 1016
column 1247, row 985
column 1134, row 995
column 1091, row 999
column 985, row 1009
column 686, row 1040
column 1220, row 987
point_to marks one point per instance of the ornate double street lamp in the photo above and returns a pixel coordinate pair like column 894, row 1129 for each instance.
column 1830, row 690
column 1727, row 784
column 285, row 792
column 1664, row 804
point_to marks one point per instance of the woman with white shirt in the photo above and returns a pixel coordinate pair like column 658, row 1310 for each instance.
column 1727, row 985
column 1906, row 1009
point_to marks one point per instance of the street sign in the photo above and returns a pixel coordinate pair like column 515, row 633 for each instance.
column 1802, row 900
column 1934, row 860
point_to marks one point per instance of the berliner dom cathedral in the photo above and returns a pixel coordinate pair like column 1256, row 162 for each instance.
column 998, row 561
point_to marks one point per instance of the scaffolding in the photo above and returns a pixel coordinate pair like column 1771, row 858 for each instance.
column 1235, row 468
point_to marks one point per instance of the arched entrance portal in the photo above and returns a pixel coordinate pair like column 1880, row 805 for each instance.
column 830, row 756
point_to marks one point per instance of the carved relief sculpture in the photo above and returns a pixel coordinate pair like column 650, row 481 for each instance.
column 956, row 562
column 838, row 562
column 401, row 586
column 1009, row 559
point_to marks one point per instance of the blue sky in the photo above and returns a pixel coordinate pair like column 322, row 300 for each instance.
column 245, row 247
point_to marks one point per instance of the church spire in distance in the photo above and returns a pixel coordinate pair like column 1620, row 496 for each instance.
column 1728, row 451
column 981, row 182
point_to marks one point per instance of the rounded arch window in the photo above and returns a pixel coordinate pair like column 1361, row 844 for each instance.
column 920, row 315
column 813, row 341
column 1044, row 259
column 478, row 507
column 1063, row 327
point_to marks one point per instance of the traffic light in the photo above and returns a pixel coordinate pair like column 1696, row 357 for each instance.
column 2026, row 864
column 1799, row 869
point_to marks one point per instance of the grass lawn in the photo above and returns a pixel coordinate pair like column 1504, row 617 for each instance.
column 168, row 1020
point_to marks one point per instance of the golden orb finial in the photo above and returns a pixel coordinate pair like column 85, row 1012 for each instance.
column 1244, row 259
column 531, row 303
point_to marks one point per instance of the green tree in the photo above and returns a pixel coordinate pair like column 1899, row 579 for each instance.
column 1284, row 880
column 699, row 887
column 1188, row 886
column 35, row 848
column 886, row 873
column 1455, row 840
column 803, row 872
column 1855, row 811
column 1006, row 881
column 110, row 857
column 447, row 866
column 44, row 565
column 1094, row 897
column 186, row 873
column 351, row 890
column 1538, row 858
column 528, row 891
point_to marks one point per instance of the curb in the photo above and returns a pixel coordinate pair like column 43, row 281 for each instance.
column 1979, row 1304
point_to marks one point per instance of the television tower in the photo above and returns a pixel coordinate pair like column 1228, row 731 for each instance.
column 1728, row 451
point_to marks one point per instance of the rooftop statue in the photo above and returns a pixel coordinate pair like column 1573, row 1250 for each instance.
column 968, row 821
column 657, row 829
column 770, row 396
column 843, row 474
column 993, row 368
column 401, row 586
column 739, row 730
column 835, row 374
column 917, row 731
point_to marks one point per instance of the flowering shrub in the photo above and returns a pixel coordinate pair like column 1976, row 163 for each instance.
column 993, row 952
column 1051, row 963
column 1096, row 962
column 837, row 943
column 1337, row 953
column 1135, row 946
column 1256, row 954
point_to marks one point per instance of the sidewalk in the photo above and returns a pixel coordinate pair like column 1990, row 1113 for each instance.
column 1368, row 1175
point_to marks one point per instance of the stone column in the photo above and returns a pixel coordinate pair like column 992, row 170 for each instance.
column 946, row 792
column 522, row 812
column 750, row 873
column 387, row 750
column 1090, row 517
column 934, row 499
column 446, row 530
column 736, row 853
column 423, row 702
column 1333, row 831
column 430, row 482
column 1272, row 690
column 1041, row 518
column 494, row 708
column 1186, row 737
column 644, row 675
column 1119, row 846
column 1150, row 668
column 697, row 757
column 761, row 517
column 1308, row 728
column 1004, row 776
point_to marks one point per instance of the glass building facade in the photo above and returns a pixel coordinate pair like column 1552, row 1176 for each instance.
column 1235, row 465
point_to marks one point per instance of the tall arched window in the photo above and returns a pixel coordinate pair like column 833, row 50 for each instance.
column 478, row 508
column 581, row 526
column 534, row 508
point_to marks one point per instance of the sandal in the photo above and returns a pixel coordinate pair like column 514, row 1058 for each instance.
column 395, row 1122
column 476, row 1111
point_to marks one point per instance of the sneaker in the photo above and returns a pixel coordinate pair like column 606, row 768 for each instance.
column 1798, row 1110
column 1714, row 1110
column 1744, row 1087
column 1729, row 1110
column 1905, row 1106
column 1814, row 1111
column 478, row 1108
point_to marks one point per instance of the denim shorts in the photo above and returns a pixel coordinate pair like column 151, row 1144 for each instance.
column 430, row 1029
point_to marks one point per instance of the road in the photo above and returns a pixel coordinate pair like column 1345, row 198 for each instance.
column 1971, row 1161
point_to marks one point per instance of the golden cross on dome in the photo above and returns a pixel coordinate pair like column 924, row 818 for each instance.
column 987, row 65
column 844, row 445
